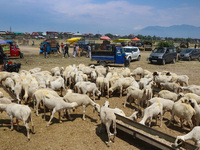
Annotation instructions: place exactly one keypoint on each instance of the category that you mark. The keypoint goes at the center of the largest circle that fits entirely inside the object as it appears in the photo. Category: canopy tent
(72, 40)
(121, 40)
(104, 38)
(135, 39)
(2, 42)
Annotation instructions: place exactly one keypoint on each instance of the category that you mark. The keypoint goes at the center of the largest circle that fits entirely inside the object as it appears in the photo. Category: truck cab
(105, 54)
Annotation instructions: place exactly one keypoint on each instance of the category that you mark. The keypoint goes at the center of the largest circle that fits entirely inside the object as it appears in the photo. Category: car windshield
(186, 50)
(158, 50)
(129, 50)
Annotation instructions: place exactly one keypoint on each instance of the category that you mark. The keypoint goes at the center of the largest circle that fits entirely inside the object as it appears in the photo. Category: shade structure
(72, 40)
(121, 40)
(2, 42)
(104, 38)
(135, 39)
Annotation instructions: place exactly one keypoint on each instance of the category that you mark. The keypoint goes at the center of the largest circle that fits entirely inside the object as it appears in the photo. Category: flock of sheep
(153, 94)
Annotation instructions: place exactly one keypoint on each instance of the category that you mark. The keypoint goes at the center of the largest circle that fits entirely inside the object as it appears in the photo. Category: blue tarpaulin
(9, 41)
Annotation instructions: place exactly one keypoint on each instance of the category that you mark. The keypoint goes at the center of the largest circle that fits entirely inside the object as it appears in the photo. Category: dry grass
(79, 134)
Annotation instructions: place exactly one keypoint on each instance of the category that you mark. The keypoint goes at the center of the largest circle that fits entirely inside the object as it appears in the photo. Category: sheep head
(179, 141)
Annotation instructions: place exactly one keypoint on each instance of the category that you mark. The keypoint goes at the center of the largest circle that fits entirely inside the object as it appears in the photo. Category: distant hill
(175, 31)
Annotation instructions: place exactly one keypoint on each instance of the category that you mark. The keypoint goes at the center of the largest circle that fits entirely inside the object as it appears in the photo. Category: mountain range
(175, 31)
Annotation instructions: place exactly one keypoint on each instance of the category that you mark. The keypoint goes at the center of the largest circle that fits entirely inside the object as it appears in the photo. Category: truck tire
(138, 59)
(102, 63)
(21, 55)
(127, 63)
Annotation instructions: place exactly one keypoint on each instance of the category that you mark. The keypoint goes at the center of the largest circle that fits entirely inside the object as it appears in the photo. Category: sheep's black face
(179, 142)
(192, 104)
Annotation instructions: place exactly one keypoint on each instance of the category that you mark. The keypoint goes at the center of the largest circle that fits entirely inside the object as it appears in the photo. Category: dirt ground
(79, 134)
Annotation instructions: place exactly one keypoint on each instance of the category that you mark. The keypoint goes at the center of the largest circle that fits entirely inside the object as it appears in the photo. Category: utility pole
(10, 28)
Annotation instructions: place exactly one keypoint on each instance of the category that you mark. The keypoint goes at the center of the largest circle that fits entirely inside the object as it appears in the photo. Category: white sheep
(56, 104)
(4, 75)
(192, 89)
(35, 70)
(168, 95)
(18, 90)
(153, 111)
(121, 84)
(174, 87)
(138, 71)
(108, 118)
(38, 95)
(144, 82)
(189, 96)
(81, 100)
(182, 79)
(58, 84)
(196, 107)
(136, 94)
(89, 87)
(183, 111)
(93, 76)
(9, 83)
(167, 104)
(20, 112)
(192, 135)
(5, 100)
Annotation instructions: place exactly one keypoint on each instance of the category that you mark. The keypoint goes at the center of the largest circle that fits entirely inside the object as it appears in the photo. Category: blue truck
(106, 54)
(50, 45)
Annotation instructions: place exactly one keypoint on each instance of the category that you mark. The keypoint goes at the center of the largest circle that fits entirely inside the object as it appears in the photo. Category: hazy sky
(121, 17)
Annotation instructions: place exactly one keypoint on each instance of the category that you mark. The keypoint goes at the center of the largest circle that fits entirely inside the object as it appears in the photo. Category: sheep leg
(33, 127)
(44, 112)
(11, 122)
(172, 118)
(68, 111)
(17, 124)
(115, 130)
(108, 132)
(150, 120)
(27, 129)
(126, 100)
(94, 96)
(37, 104)
(121, 89)
(59, 117)
(53, 112)
(84, 112)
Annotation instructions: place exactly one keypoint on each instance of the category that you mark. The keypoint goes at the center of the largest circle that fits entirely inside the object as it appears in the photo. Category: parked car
(163, 55)
(132, 53)
(189, 54)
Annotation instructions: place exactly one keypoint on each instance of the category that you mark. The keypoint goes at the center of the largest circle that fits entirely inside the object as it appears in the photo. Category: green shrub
(165, 44)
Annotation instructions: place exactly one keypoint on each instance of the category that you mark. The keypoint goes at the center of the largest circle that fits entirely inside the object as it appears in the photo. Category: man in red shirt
(62, 47)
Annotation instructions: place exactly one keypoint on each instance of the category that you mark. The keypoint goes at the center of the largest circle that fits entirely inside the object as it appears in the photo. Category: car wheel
(199, 58)
(138, 59)
(174, 61)
(127, 63)
(189, 59)
(102, 63)
(163, 62)
(129, 59)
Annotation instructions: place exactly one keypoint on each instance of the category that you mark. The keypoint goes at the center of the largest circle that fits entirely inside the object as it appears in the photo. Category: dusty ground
(79, 134)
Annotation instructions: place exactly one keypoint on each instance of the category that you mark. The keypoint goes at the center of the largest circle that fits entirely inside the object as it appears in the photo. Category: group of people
(77, 50)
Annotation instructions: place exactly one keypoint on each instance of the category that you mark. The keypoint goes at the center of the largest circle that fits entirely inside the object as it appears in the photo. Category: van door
(119, 56)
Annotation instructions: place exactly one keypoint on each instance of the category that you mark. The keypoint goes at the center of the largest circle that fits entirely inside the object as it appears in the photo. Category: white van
(133, 53)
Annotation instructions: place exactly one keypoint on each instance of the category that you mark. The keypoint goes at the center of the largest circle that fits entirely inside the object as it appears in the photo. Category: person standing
(74, 50)
(58, 48)
(62, 47)
(66, 51)
(79, 51)
(77, 47)
(45, 50)
(89, 51)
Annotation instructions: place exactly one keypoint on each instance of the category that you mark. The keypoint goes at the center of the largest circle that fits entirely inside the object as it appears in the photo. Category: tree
(165, 44)
(109, 35)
